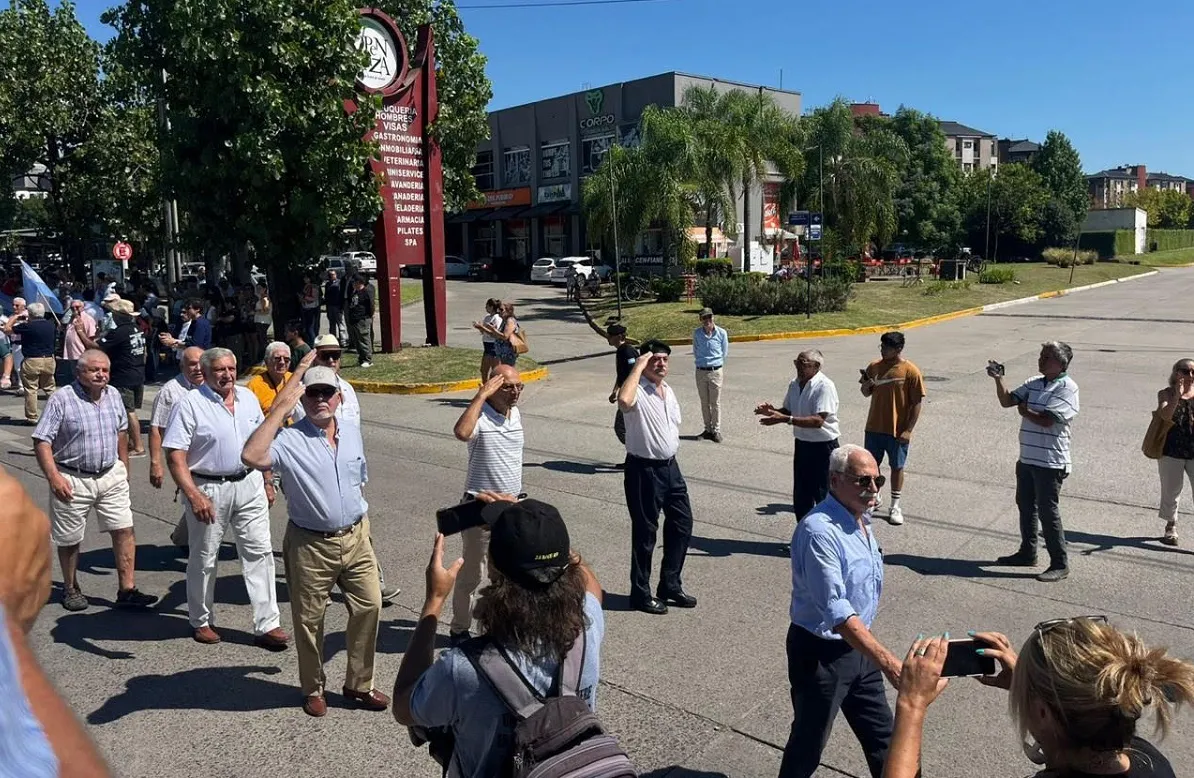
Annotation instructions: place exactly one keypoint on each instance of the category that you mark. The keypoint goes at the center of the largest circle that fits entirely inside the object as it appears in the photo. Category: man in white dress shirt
(190, 376)
(653, 481)
(203, 442)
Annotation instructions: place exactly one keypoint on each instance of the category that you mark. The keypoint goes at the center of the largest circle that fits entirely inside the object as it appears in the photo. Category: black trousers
(1038, 490)
(652, 485)
(810, 474)
(619, 425)
(828, 675)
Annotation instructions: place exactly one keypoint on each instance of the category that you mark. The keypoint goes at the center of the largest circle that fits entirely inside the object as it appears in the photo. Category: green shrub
(1108, 243)
(1168, 240)
(1065, 257)
(941, 287)
(667, 290)
(718, 266)
(1125, 243)
(997, 275)
(752, 296)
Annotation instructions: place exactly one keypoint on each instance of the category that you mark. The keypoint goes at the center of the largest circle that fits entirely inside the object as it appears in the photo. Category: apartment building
(1022, 151)
(973, 149)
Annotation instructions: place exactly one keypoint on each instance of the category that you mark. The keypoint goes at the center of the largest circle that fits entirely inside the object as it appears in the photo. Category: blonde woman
(1177, 457)
(508, 328)
(492, 321)
(1077, 689)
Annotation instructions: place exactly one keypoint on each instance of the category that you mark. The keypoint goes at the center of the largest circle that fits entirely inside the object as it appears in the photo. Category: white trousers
(471, 575)
(1174, 473)
(242, 506)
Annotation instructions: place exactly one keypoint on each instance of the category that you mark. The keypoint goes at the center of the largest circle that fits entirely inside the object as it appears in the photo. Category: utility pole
(613, 201)
(169, 207)
(987, 248)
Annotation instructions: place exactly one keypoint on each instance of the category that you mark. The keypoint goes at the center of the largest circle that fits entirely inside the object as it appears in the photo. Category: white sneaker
(896, 516)
(365, 364)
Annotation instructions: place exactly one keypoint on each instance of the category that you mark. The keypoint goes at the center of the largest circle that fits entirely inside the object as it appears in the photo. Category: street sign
(122, 251)
(798, 219)
(815, 218)
(814, 231)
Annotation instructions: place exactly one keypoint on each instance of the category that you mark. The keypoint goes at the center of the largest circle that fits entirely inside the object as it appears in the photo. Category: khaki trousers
(475, 570)
(36, 373)
(709, 390)
(1174, 473)
(314, 564)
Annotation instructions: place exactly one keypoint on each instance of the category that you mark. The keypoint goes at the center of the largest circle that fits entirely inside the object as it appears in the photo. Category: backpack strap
(567, 680)
(492, 664)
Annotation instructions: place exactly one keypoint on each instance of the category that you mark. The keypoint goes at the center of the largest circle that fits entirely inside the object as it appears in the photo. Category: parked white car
(583, 266)
(365, 260)
(541, 270)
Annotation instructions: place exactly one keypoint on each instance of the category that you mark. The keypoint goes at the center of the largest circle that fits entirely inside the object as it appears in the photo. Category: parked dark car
(482, 270)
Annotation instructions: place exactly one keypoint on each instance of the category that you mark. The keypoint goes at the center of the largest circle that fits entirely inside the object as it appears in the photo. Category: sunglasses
(331, 356)
(320, 392)
(866, 480)
(1046, 626)
(1185, 370)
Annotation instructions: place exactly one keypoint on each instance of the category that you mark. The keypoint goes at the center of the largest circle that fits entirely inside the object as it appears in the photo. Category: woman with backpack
(542, 625)
(508, 336)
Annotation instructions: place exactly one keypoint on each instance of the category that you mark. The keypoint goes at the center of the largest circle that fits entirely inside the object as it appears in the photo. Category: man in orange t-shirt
(265, 387)
(896, 388)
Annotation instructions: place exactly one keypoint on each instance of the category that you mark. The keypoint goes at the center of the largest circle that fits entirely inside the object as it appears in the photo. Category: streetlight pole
(808, 262)
(987, 247)
(613, 201)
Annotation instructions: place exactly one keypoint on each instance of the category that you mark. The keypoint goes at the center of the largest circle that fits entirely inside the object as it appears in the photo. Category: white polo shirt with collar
(817, 396)
(211, 435)
(653, 422)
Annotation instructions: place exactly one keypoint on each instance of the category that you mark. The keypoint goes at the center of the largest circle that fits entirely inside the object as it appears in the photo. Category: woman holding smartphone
(1177, 457)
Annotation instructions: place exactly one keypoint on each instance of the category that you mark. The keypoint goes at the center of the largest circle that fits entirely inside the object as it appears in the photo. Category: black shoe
(680, 599)
(785, 549)
(1053, 574)
(1019, 559)
(650, 605)
(620, 466)
(706, 435)
(715, 437)
(134, 598)
(456, 638)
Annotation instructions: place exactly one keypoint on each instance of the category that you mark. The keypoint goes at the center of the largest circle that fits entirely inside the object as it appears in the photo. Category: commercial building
(532, 169)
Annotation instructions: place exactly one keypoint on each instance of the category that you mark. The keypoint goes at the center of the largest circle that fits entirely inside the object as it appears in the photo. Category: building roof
(1115, 172)
(954, 129)
(1022, 147)
(1158, 176)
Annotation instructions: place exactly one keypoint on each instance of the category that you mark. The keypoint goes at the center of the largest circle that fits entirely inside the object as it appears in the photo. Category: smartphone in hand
(963, 660)
(863, 373)
(994, 369)
(457, 518)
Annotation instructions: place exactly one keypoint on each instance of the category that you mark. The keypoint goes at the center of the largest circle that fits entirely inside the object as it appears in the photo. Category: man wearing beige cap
(125, 347)
(322, 465)
(710, 347)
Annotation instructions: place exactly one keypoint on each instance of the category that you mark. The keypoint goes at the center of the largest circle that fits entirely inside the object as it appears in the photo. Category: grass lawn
(412, 290)
(873, 303)
(1162, 258)
(427, 365)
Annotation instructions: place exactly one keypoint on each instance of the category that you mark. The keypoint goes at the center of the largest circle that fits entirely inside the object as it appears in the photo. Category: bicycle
(976, 265)
(635, 288)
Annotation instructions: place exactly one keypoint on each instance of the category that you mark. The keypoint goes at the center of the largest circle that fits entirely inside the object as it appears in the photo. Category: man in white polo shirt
(1048, 405)
(653, 481)
(203, 449)
(810, 408)
(492, 427)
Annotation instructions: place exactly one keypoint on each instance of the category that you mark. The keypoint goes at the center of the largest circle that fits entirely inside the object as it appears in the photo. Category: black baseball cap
(528, 542)
(615, 329)
(654, 346)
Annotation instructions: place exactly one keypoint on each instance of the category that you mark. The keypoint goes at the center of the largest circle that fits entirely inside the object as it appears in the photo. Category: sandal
(1170, 536)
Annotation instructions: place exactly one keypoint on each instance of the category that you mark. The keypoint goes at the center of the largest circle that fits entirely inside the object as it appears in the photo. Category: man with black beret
(653, 481)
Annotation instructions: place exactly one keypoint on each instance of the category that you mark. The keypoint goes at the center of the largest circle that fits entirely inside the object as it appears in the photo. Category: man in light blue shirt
(322, 465)
(834, 662)
(710, 347)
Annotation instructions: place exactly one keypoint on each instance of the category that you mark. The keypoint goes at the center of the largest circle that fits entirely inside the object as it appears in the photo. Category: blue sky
(1114, 76)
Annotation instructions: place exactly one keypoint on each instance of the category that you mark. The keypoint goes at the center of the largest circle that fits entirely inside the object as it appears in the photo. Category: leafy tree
(1167, 209)
(927, 196)
(1060, 166)
(1059, 225)
(463, 88)
(261, 151)
(1017, 197)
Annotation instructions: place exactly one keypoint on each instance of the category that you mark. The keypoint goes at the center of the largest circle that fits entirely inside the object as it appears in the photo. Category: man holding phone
(834, 661)
(896, 389)
(492, 427)
(327, 537)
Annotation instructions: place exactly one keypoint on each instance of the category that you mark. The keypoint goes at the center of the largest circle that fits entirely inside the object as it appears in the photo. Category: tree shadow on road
(959, 568)
(725, 547)
(393, 637)
(207, 688)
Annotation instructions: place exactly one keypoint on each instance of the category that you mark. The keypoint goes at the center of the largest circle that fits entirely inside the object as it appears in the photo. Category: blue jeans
(879, 443)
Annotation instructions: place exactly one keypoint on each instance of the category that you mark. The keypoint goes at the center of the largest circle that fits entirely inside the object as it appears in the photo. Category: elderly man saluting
(203, 442)
(327, 538)
(81, 444)
(834, 662)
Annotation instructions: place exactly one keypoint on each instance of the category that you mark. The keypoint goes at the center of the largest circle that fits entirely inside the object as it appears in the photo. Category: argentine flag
(34, 290)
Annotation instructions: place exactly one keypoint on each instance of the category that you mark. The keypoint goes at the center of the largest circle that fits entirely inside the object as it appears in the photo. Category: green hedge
(747, 296)
(718, 266)
(1109, 243)
(667, 290)
(1168, 240)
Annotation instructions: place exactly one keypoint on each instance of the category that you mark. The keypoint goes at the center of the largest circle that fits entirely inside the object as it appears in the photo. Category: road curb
(881, 328)
(383, 387)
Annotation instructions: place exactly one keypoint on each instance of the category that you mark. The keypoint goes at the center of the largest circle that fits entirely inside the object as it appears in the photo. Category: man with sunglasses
(653, 482)
(1048, 405)
(492, 427)
(322, 465)
(834, 661)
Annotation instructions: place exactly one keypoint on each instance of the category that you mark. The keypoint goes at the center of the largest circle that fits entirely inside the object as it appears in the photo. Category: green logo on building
(595, 99)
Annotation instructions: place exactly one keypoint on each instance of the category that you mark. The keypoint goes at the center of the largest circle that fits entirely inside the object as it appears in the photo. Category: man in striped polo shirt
(492, 427)
(1048, 404)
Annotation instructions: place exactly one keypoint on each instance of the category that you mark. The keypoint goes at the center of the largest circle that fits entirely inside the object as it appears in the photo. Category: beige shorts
(108, 494)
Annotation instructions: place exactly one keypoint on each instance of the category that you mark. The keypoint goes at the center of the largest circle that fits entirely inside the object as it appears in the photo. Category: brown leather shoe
(315, 705)
(370, 700)
(274, 640)
(207, 636)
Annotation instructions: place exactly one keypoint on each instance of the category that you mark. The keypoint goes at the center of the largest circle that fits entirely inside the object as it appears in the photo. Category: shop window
(484, 240)
(516, 166)
(518, 240)
(555, 236)
(593, 151)
(557, 159)
(483, 171)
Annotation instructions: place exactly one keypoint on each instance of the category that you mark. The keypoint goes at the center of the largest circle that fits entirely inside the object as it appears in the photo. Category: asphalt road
(697, 693)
